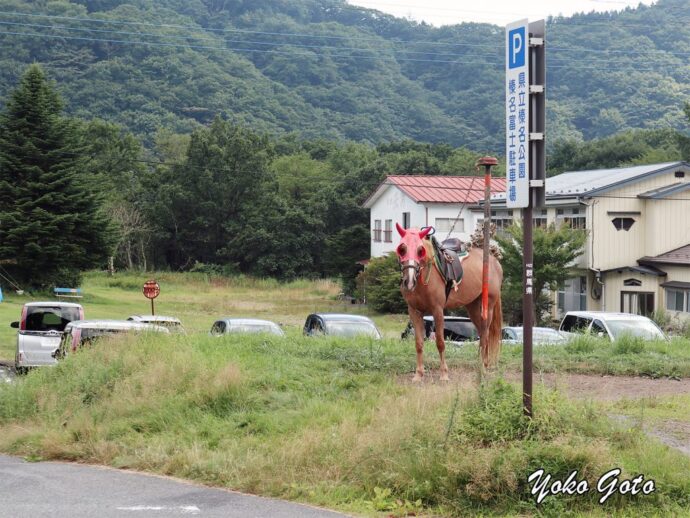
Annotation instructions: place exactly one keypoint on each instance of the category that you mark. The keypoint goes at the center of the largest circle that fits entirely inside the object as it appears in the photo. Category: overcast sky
(498, 12)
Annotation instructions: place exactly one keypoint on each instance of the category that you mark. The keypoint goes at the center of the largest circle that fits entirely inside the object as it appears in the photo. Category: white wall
(393, 202)
(391, 205)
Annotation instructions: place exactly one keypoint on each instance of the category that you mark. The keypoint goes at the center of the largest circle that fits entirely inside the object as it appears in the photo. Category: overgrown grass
(328, 422)
(198, 299)
(587, 354)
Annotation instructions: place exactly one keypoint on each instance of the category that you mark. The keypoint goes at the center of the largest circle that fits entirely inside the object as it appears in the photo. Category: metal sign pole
(537, 175)
(525, 159)
(527, 310)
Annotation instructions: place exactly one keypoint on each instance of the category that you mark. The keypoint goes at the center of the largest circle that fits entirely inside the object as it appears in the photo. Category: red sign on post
(151, 290)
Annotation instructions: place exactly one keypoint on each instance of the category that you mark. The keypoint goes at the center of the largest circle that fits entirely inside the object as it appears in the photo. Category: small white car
(39, 331)
(172, 323)
(245, 325)
(540, 335)
(83, 332)
(610, 325)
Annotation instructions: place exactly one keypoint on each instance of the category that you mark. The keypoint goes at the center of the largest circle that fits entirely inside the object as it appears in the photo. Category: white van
(39, 331)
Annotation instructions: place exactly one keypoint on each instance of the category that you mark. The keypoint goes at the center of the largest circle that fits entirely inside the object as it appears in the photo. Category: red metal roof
(445, 189)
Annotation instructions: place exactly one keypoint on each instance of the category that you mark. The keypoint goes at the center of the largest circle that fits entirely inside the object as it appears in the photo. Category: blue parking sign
(517, 48)
(517, 114)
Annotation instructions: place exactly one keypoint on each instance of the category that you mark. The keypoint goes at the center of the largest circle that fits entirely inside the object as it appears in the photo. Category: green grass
(587, 354)
(198, 299)
(333, 422)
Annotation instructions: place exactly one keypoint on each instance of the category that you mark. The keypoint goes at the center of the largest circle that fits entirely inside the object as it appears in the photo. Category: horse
(423, 287)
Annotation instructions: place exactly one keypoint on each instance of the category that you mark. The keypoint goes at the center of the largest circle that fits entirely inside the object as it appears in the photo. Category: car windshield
(45, 318)
(254, 328)
(642, 328)
(542, 335)
(347, 328)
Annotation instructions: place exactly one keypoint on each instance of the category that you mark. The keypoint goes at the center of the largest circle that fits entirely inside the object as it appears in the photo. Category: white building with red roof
(419, 201)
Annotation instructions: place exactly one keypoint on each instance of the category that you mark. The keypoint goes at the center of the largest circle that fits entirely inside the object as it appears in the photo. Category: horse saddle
(450, 254)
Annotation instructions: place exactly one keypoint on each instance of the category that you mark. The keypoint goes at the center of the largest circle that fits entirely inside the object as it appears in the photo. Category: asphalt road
(56, 490)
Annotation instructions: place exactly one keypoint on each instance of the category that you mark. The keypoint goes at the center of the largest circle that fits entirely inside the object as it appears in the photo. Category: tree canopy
(328, 69)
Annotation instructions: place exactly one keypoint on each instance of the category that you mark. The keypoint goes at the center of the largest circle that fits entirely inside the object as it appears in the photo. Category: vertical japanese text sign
(517, 114)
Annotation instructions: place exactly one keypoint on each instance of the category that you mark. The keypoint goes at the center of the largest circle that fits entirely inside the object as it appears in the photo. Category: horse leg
(419, 335)
(440, 342)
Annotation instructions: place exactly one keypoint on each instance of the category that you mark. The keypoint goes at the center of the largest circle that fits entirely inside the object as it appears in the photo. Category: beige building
(637, 257)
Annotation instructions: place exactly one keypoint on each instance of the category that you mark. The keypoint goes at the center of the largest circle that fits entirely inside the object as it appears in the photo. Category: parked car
(337, 324)
(245, 325)
(610, 325)
(540, 335)
(455, 329)
(83, 332)
(39, 330)
(172, 323)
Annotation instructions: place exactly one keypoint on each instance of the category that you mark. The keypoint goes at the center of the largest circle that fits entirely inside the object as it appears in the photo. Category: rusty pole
(488, 162)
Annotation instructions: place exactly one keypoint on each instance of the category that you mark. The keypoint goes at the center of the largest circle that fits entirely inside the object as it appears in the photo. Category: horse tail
(494, 342)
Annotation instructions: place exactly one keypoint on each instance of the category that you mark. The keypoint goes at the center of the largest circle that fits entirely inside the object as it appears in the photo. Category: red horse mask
(411, 247)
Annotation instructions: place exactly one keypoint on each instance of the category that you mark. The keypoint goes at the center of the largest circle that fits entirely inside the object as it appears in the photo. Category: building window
(573, 295)
(388, 233)
(377, 230)
(632, 282)
(639, 303)
(572, 218)
(677, 300)
(446, 224)
(539, 219)
(623, 223)
(502, 220)
(679, 174)
(406, 220)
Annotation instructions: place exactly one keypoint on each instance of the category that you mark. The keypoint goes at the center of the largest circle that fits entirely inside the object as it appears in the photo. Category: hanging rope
(462, 207)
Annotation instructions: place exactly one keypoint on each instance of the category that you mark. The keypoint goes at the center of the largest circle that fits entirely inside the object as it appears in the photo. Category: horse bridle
(411, 263)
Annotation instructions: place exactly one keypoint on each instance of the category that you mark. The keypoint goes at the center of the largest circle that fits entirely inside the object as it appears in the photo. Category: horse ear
(400, 230)
(423, 233)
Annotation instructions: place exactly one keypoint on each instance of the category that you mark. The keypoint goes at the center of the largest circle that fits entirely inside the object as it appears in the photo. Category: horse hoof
(445, 378)
(417, 378)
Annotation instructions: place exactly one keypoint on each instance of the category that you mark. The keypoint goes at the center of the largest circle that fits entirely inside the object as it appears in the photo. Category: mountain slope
(325, 69)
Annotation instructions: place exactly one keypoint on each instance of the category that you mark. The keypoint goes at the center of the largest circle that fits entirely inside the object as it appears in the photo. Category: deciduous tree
(555, 251)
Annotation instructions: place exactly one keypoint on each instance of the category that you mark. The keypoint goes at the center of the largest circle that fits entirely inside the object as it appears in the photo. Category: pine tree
(51, 226)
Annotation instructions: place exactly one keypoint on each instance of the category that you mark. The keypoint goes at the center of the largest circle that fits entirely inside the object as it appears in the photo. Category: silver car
(83, 332)
(39, 331)
(610, 325)
(540, 335)
(245, 325)
(172, 323)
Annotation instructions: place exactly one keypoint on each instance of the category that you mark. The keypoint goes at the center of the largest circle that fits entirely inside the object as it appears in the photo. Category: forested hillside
(325, 69)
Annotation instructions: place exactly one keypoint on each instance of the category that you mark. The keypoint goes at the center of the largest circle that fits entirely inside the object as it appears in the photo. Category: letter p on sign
(517, 48)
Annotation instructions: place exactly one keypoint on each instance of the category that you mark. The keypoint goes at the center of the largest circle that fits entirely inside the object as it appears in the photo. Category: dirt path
(673, 433)
(610, 388)
(580, 386)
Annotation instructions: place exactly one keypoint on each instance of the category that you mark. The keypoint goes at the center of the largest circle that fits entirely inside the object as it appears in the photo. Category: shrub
(379, 284)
